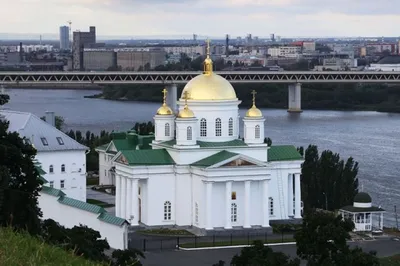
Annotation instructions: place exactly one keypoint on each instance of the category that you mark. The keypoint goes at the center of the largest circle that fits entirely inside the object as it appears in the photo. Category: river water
(371, 138)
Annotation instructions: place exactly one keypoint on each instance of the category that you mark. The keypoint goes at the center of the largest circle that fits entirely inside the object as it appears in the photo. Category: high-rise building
(64, 38)
(82, 40)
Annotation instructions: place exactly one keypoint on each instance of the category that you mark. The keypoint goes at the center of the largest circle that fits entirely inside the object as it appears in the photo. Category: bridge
(292, 78)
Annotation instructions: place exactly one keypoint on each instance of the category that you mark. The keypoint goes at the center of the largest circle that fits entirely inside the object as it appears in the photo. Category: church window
(203, 127)
(167, 130)
(196, 213)
(233, 196)
(167, 211)
(63, 168)
(257, 132)
(189, 133)
(51, 169)
(233, 212)
(218, 130)
(271, 206)
(230, 131)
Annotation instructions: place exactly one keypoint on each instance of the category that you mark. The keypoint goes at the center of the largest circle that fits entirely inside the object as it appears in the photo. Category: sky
(207, 18)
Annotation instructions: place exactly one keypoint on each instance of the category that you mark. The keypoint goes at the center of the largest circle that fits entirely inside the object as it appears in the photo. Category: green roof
(124, 144)
(214, 159)
(362, 197)
(111, 219)
(204, 144)
(128, 141)
(80, 205)
(148, 157)
(52, 191)
(283, 153)
(351, 208)
(103, 147)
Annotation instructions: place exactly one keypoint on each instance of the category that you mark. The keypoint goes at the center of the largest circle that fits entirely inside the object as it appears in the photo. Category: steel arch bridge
(288, 77)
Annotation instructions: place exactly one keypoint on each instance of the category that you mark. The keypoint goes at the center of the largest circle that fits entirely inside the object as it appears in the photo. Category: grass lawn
(92, 181)
(99, 203)
(391, 261)
(233, 243)
(165, 232)
(23, 249)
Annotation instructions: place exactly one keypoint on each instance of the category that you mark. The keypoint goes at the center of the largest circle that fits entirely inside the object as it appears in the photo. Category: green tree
(19, 181)
(260, 255)
(322, 241)
(59, 121)
(128, 257)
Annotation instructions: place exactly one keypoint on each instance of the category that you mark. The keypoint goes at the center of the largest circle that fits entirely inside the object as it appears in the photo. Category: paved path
(93, 194)
(209, 257)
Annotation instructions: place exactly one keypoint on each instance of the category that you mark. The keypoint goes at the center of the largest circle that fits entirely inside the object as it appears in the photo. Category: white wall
(70, 217)
(75, 171)
(105, 164)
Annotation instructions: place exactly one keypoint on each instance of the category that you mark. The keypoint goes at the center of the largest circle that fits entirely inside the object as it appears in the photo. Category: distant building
(64, 38)
(82, 40)
(285, 51)
(189, 50)
(337, 64)
(134, 59)
(388, 63)
(99, 59)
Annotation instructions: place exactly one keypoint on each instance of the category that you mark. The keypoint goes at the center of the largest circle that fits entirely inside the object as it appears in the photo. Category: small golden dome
(254, 111)
(164, 110)
(186, 113)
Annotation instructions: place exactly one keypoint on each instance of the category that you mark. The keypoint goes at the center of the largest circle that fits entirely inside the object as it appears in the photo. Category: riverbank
(56, 86)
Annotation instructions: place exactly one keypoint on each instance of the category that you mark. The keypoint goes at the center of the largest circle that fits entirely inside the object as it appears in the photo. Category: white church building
(198, 172)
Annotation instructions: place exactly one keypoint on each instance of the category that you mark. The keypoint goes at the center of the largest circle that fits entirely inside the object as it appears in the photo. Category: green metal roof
(52, 191)
(214, 159)
(204, 144)
(124, 144)
(111, 219)
(283, 153)
(362, 197)
(148, 157)
(80, 205)
(128, 141)
(351, 208)
(103, 147)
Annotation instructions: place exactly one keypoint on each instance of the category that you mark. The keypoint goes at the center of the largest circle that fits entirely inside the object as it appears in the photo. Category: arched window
(203, 127)
(51, 169)
(230, 130)
(257, 132)
(167, 211)
(189, 133)
(196, 213)
(233, 212)
(271, 206)
(218, 130)
(63, 168)
(167, 130)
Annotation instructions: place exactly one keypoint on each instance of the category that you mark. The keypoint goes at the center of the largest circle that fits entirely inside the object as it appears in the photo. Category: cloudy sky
(205, 17)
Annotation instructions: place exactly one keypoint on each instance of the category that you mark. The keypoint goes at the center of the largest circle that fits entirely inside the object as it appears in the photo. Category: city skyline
(294, 18)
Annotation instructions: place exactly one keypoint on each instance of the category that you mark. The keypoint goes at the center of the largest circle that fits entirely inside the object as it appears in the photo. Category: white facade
(384, 67)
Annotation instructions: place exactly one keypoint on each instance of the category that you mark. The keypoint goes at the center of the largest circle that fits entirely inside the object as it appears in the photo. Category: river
(371, 138)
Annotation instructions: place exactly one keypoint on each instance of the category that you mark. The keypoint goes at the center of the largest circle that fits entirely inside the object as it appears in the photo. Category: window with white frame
(196, 213)
(233, 212)
(167, 211)
(257, 132)
(63, 168)
(271, 206)
(62, 183)
(51, 183)
(203, 127)
(230, 129)
(167, 130)
(218, 125)
(189, 133)
(51, 169)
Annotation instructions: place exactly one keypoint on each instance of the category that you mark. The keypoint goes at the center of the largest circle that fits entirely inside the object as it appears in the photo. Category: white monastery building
(196, 171)
(62, 158)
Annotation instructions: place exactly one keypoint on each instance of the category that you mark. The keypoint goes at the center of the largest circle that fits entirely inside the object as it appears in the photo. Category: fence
(159, 243)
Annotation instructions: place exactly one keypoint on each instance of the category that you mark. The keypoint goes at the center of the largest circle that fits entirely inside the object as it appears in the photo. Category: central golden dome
(209, 86)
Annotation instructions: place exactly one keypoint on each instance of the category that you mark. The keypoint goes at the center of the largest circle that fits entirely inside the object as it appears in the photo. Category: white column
(265, 203)
(228, 201)
(128, 212)
(297, 195)
(172, 97)
(118, 195)
(294, 92)
(209, 224)
(247, 184)
(135, 202)
(123, 197)
(290, 197)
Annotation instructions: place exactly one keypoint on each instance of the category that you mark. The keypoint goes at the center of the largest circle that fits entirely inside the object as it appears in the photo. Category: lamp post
(326, 200)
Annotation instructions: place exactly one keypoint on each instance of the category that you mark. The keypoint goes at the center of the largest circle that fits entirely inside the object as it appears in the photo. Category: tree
(322, 240)
(128, 257)
(59, 121)
(19, 181)
(260, 255)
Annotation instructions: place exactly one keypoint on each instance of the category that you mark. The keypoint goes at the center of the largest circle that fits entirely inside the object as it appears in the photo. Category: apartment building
(134, 59)
(82, 40)
(99, 59)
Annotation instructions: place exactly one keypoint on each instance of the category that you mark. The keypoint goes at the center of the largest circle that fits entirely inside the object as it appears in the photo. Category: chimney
(21, 53)
(51, 118)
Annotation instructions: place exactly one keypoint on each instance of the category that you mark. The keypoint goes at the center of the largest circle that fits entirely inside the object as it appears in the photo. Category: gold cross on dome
(164, 91)
(208, 47)
(186, 96)
(254, 96)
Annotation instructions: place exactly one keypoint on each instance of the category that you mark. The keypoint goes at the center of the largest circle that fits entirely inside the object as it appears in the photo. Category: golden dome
(209, 86)
(164, 109)
(254, 111)
(186, 113)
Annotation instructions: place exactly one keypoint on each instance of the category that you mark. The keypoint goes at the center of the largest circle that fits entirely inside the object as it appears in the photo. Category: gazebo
(365, 216)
